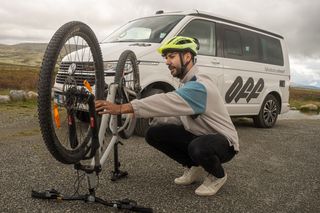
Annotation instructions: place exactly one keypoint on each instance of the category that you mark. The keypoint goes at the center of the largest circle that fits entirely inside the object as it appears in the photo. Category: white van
(249, 65)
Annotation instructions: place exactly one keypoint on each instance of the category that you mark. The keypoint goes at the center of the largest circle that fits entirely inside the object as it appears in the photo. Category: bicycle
(72, 76)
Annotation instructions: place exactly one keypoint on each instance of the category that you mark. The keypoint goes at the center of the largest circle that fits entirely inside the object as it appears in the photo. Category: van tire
(142, 124)
(268, 114)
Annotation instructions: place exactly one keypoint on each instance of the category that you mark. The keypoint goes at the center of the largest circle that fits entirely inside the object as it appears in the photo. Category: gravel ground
(277, 170)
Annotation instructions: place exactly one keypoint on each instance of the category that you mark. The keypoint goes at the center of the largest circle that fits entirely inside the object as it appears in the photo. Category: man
(194, 127)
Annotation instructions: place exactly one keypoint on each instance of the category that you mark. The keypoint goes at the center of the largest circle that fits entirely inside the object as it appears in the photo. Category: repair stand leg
(92, 185)
(117, 173)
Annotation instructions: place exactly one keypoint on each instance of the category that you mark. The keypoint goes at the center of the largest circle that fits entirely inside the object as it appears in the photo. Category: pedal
(47, 194)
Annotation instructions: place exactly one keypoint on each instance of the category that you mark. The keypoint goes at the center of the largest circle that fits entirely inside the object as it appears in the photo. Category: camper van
(248, 64)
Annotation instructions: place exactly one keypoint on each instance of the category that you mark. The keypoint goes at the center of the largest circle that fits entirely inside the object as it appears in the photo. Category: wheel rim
(128, 85)
(74, 65)
(270, 112)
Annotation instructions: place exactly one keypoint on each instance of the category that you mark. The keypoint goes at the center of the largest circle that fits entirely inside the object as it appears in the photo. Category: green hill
(27, 54)
(19, 65)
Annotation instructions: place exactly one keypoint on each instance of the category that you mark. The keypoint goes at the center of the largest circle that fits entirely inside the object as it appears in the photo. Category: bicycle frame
(110, 120)
(103, 151)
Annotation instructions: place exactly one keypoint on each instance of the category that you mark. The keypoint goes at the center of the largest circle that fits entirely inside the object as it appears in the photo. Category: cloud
(305, 71)
(41, 18)
(297, 21)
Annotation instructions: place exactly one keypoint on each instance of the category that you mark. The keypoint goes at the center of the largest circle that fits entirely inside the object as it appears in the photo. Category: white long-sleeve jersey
(198, 105)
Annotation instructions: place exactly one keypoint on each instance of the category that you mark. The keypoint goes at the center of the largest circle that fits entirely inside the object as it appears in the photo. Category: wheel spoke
(270, 112)
(70, 46)
(83, 50)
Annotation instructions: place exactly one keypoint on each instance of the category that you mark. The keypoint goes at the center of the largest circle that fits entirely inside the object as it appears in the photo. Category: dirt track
(277, 170)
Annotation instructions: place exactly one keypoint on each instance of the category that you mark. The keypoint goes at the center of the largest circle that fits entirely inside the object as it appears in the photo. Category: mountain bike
(72, 77)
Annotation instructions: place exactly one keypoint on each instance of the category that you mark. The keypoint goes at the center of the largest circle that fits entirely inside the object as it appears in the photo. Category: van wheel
(268, 114)
(143, 124)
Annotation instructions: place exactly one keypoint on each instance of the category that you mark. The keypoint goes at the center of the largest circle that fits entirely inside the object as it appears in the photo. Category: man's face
(173, 62)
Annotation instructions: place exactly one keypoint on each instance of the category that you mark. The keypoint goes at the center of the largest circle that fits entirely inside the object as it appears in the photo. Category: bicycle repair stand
(92, 178)
(92, 173)
(117, 173)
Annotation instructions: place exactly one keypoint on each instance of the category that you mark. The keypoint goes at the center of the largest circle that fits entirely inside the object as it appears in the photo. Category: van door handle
(215, 62)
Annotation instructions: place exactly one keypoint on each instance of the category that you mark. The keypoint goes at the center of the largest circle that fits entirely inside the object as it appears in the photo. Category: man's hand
(106, 107)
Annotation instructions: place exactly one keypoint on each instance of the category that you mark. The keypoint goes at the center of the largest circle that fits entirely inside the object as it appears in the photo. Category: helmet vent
(183, 42)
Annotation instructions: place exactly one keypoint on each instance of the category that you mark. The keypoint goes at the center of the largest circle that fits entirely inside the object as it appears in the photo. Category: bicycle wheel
(72, 56)
(128, 81)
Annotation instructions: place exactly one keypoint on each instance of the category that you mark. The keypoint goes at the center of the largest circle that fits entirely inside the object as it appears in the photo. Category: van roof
(219, 18)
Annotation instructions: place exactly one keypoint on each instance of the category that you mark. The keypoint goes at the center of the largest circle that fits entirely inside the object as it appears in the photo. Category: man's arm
(188, 100)
(106, 107)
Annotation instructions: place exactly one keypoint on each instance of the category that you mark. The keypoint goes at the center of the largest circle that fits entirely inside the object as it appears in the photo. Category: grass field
(300, 96)
(18, 77)
(26, 54)
(20, 64)
(20, 107)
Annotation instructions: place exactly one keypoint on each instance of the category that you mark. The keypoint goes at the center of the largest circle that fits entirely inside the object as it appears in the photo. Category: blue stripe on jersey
(195, 94)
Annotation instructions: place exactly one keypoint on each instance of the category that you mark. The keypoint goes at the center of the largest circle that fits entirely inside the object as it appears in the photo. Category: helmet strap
(183, 69)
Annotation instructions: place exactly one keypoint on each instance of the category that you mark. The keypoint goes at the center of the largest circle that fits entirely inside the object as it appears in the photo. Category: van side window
(232, 44)
(204, 31)
(271, 51)
(247, 45)
(250, 45)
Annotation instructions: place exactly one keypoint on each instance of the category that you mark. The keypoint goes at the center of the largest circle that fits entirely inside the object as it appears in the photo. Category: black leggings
(208, 151)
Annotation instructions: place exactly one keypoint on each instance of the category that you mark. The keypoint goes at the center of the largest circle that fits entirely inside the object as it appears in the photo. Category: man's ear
(187, 56)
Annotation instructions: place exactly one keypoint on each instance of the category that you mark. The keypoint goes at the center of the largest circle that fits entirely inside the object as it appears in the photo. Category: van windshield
(150, 29)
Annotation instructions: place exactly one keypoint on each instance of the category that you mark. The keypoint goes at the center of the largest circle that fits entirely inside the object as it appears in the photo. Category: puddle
(296, 114)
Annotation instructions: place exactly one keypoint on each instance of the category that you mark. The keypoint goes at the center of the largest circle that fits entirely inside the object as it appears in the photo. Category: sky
(37, 20)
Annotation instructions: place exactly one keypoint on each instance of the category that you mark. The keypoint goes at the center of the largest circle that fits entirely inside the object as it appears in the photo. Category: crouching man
(191, 124)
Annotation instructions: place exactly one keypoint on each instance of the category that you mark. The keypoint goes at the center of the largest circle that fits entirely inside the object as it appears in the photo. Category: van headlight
(151, 63)
(110, 65)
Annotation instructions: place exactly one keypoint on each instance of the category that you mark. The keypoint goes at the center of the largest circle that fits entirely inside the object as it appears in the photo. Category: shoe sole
(184, 184)
(211, 193)
(190, 183)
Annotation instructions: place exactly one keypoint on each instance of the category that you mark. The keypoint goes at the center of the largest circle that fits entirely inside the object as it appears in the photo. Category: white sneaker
(190, 175)
(211, 185)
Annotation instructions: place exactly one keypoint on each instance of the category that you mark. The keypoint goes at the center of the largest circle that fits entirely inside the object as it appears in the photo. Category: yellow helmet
(180, 44)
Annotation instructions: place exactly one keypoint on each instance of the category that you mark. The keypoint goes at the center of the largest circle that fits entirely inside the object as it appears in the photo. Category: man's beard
(177, 73)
